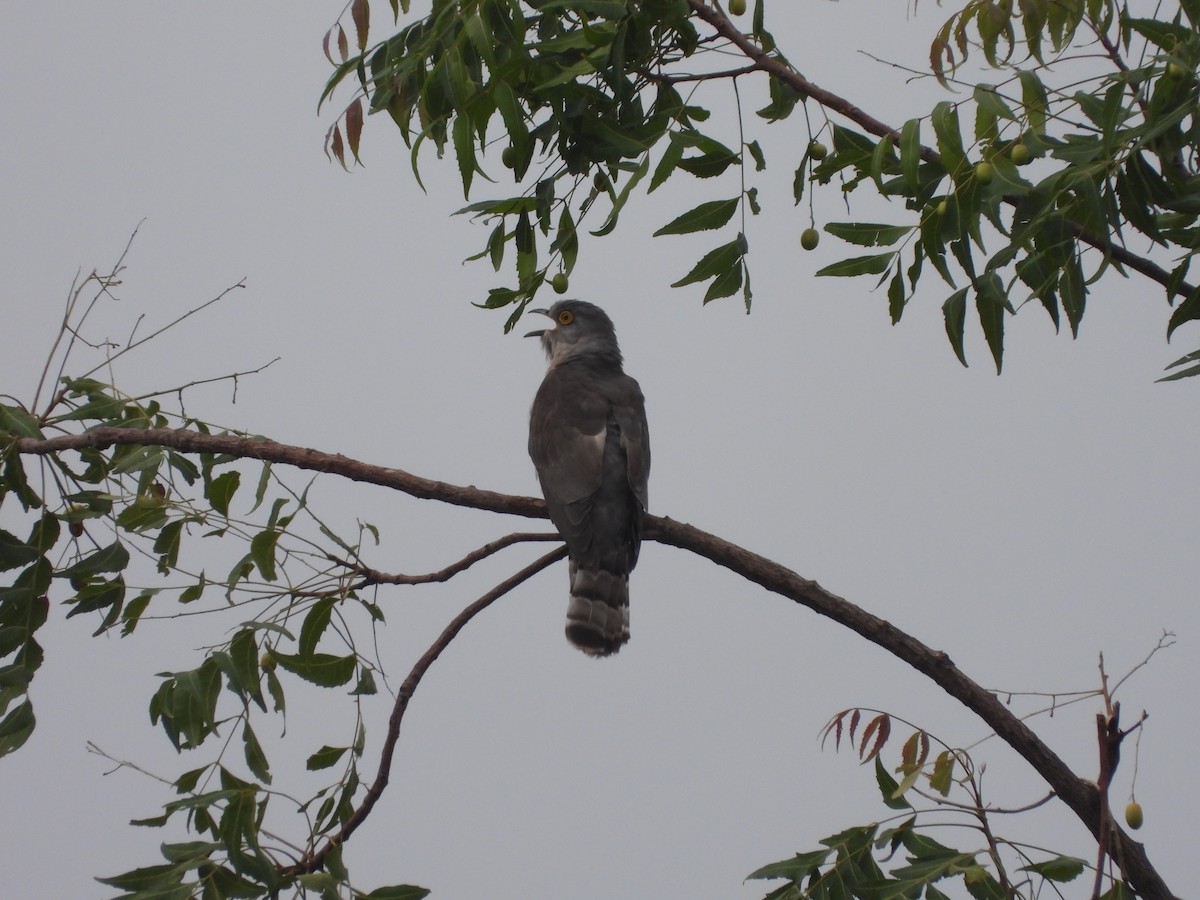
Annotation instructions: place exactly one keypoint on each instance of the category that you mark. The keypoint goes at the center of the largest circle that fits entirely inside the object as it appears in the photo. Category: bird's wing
(629, 408)
(568, 426)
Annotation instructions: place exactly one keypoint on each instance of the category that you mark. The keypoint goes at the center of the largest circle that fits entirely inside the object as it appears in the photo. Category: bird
(590, 445)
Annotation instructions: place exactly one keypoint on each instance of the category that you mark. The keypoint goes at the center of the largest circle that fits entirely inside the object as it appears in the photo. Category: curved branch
(374, 576)
(1080, 795)
(315, 859)
(779, 68)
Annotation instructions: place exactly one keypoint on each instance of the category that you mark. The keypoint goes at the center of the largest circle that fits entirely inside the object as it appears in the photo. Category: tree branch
(1081, 796)
(779, 68)
(315, 859)
(374, 576)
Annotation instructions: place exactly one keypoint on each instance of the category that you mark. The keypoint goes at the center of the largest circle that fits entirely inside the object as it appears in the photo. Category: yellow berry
(1020, 154)
(737, 7)
(1133, 815)
(984, 173)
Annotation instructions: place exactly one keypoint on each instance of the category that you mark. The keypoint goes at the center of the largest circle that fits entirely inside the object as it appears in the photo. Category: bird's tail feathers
(598, 612)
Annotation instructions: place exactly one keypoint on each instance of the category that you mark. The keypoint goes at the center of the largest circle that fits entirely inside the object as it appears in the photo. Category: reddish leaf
(325, 47)
(854, 720)
(343, 43)
(361, 14)
(834, 727)
(335, 145)
(915, 752)
(878, 728)
(354, 124)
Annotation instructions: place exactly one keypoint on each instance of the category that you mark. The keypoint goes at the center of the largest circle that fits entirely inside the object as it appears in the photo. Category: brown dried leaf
(360, 12)
(354, 124)
(908, 755)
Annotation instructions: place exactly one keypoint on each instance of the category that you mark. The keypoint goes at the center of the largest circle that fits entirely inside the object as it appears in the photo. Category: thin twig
(374, 576)
(314, 860)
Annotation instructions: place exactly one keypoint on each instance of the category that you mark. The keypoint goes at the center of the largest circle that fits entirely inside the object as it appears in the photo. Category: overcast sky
(1022, 523)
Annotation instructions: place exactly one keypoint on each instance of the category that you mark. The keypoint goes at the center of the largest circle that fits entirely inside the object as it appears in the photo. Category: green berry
(809, 238)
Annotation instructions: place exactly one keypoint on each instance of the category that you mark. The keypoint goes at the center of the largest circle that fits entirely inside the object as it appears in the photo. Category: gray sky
(1022, 523)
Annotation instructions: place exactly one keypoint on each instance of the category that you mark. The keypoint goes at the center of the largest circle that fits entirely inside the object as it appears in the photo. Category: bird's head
(580, 329)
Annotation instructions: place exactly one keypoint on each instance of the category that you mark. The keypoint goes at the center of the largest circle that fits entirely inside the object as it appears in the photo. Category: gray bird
(591, 448)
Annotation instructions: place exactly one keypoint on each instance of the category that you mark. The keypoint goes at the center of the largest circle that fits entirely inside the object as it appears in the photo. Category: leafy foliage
(851, 863)
(110, 533)
(1030, 190)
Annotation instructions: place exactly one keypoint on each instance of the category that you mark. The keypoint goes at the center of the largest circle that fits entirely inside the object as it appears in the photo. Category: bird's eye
(566, 317)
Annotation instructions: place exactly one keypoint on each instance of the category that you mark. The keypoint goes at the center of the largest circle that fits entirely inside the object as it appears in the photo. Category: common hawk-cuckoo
(591, 448)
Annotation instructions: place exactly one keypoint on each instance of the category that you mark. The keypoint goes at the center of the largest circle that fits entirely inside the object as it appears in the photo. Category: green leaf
(796, 869)
(256, 760)
(14, 552)
(868, 234)
(150, 879)
(396, 892)
(943, 772)
(220, 490)
(18, 422)
(668, 163)
(888, 787)
(464, 151)
(949, 140)
(366, 684)
(705, 217)
(325, 758)
(896, 297)
(992, 306)
(1034, 101)
(910, 153)
(954, 310)
(16, 727)
(874, 264)
(713, 263)
(1061, 868)
(262, 551)
(1187, 311)
(322, 669)
(1189, 372)
(315, 624)
(113, 558)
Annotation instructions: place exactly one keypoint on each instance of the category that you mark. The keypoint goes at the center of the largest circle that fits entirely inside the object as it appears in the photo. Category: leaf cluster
(1031, 190)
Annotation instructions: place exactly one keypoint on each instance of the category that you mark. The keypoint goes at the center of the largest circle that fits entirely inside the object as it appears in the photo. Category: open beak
(540, 312)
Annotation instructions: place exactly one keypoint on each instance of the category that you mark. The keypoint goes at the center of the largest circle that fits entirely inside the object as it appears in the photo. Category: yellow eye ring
(566, 317)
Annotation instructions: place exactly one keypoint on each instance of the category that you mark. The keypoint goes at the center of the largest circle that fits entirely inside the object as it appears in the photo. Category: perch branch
(1081, 796)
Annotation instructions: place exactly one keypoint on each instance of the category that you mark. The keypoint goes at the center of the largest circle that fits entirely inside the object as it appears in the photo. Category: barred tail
(598, 611)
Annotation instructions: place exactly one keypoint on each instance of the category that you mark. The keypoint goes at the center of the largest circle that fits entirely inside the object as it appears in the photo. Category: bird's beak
(540, 312)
